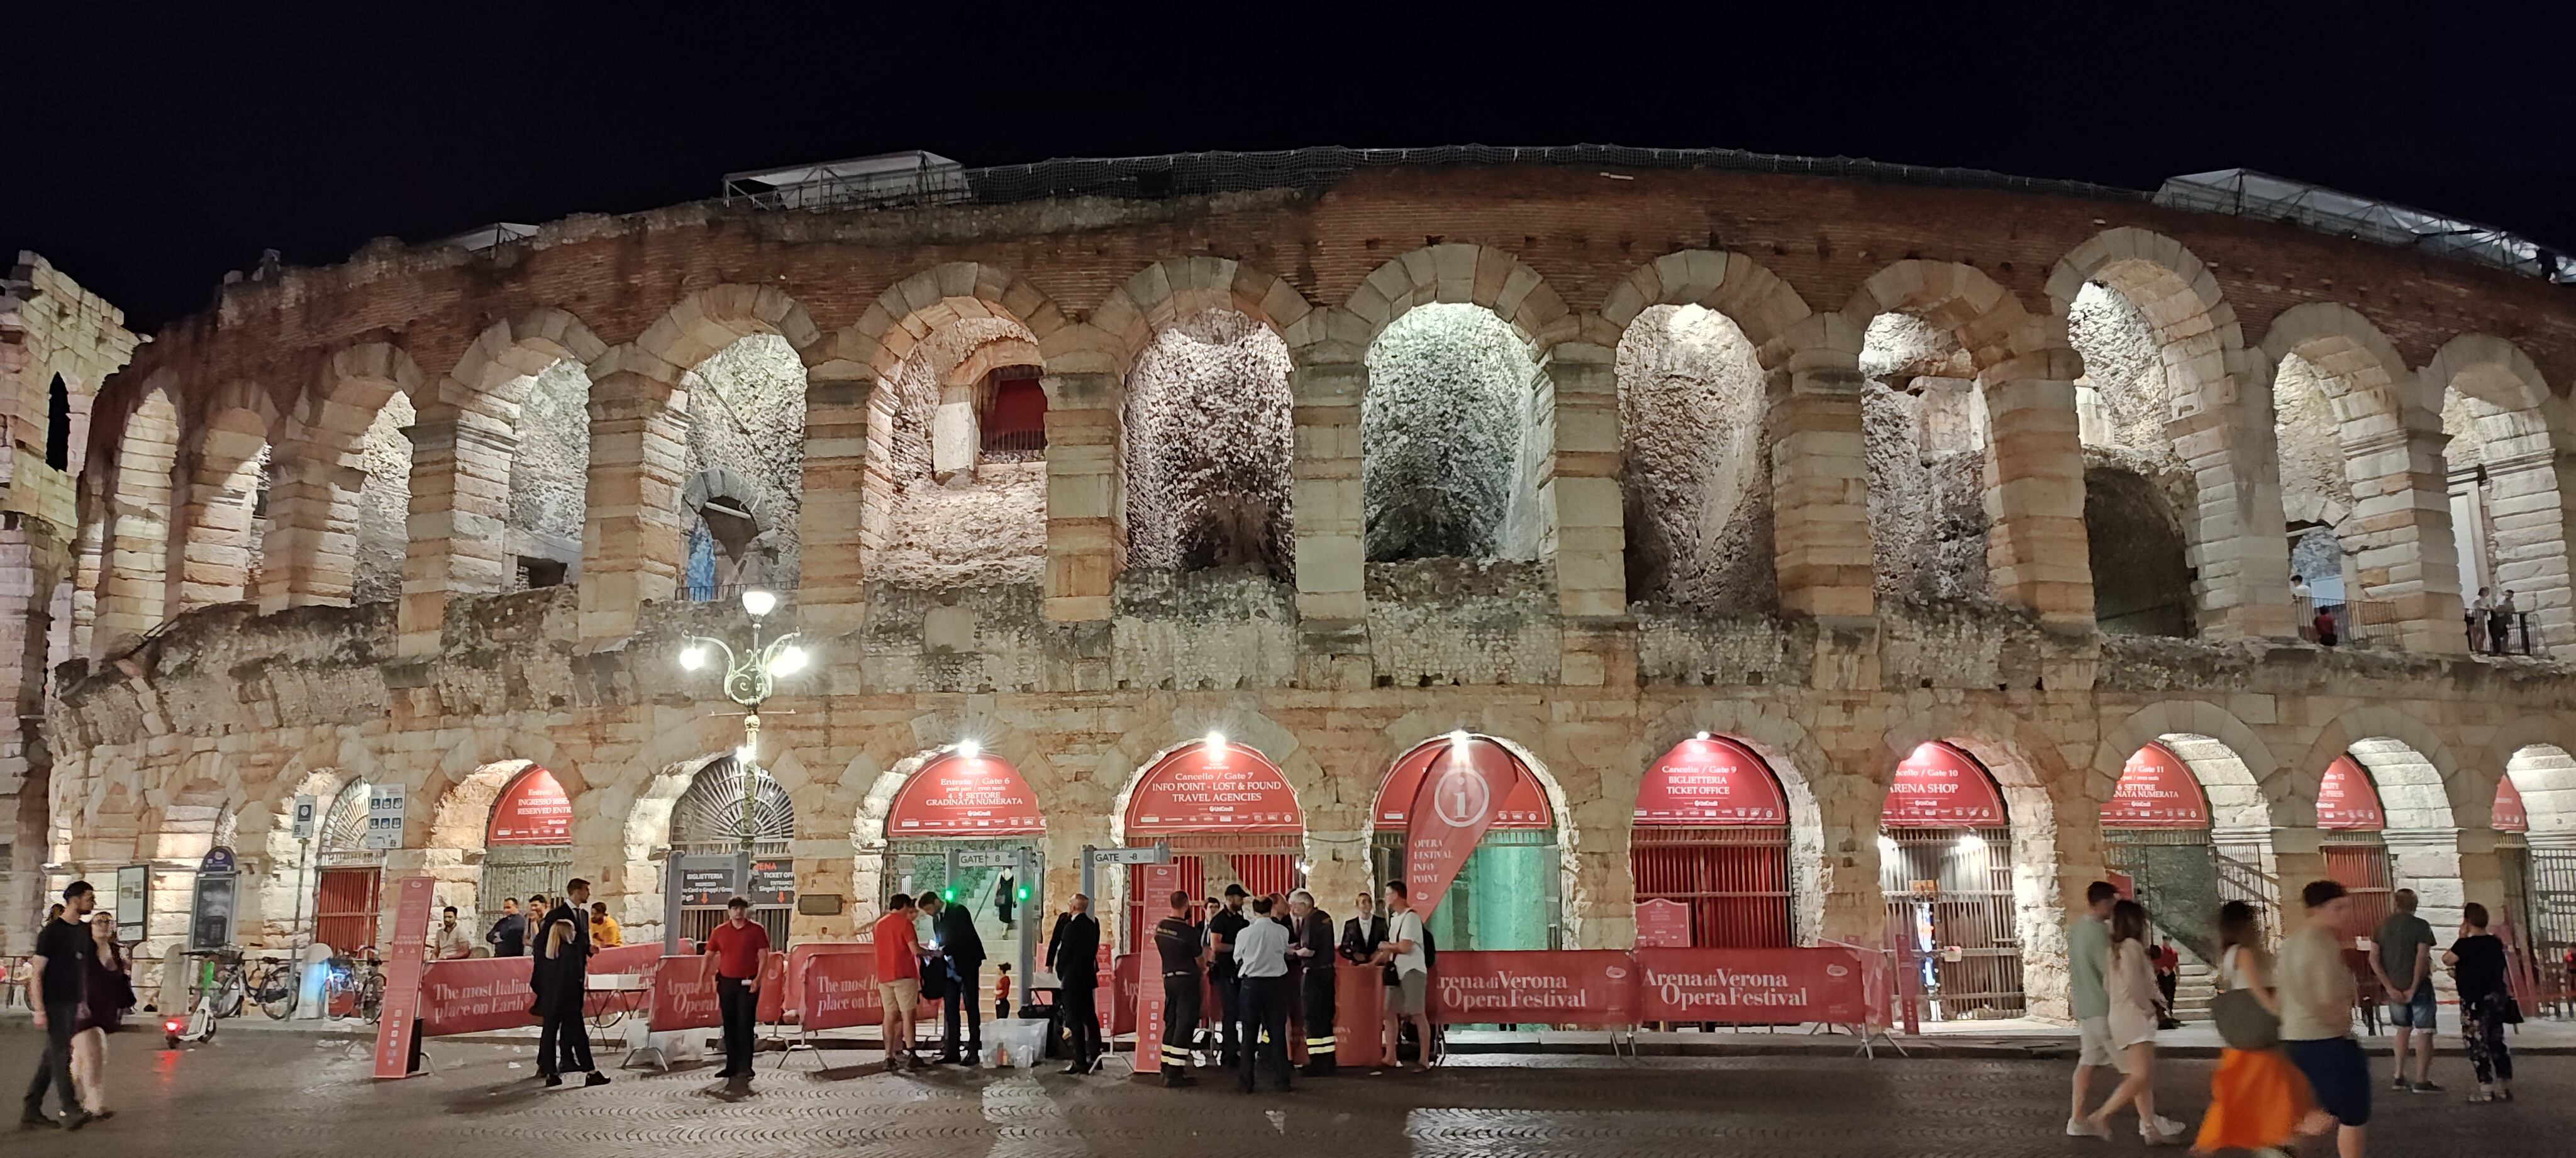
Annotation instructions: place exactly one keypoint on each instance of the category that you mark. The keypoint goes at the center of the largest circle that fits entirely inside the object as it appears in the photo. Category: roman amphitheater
(1845, 552)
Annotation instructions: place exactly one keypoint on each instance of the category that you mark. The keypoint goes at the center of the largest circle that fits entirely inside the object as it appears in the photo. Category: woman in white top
(2134, 1001)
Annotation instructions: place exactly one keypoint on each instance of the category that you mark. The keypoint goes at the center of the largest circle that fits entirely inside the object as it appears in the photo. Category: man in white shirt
(1261, 964)
(449, 941)
(1408, 978)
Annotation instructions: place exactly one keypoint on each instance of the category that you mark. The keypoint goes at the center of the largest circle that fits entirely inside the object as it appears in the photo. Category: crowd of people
(2291, 1067)
(80, 992)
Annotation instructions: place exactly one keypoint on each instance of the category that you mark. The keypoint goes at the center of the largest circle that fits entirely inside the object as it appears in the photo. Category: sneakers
(2165, 1125)
(2088, 1128)
(596, 1078)
(2163, 1132)
(2399, 1083)
(2427, 1088)
(39, 1122)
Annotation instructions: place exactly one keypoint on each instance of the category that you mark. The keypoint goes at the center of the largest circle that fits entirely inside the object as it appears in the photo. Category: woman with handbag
(2134, 1003)
(106, 994)
(2258, 1101)
(2486, 1005)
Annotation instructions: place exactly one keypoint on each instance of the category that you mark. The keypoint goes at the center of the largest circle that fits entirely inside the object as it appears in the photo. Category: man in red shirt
(898, 948)
(738, 944)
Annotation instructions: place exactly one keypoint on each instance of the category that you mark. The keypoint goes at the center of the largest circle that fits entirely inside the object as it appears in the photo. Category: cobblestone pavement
(280, 1094)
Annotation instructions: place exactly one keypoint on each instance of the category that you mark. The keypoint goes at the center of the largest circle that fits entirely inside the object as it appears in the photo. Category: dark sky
(147, 153)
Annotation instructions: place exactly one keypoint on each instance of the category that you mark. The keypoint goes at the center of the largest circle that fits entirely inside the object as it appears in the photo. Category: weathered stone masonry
(1081, 677)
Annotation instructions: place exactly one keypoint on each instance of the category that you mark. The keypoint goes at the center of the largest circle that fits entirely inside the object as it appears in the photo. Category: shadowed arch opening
(2134, 542)
(134, 591)
(1450, 447)
(1695, 474)
(1208, 434)
(743, 476)
(940, 509)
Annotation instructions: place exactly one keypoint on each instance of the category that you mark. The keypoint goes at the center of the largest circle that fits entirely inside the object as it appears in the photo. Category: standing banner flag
(412, 897)
(1450, 813)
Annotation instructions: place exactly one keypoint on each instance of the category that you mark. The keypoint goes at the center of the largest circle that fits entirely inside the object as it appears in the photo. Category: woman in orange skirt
(2258, 1101)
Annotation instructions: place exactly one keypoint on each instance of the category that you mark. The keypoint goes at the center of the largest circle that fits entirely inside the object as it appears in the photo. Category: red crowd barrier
(836, 989)
(475, 994)
(1617, 987)
(1548, 986)
(684, 993)
(1751, 986)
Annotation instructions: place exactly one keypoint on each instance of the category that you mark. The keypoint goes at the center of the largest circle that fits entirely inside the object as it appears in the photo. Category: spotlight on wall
(969, 749)
(693, 658)
(1702, 737)
(1215, 739)
(759, 602)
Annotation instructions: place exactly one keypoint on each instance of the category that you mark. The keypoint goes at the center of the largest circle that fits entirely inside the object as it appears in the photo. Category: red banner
(412, 898)
(684, 993)
(532, 810)
(1198, 788)
(1938, 786)
(2509, 814)
(1149, 1027)
(1710, 783)
(475, 995)
(1663, 924)
(837, 990)
(2347, 801)
(769, 1006)
(957, 796)
(1460, 794)
(1547, 986)
(1525, 807)
(1751, 986)
(625, 959)
(2157, 790)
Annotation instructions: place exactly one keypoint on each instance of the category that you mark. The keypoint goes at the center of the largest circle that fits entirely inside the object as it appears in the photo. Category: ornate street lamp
(749, 678)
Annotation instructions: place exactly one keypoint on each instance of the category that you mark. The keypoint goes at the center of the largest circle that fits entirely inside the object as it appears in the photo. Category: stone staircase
(2194, 990)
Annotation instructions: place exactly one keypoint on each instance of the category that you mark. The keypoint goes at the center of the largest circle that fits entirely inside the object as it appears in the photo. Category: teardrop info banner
(1460, 794)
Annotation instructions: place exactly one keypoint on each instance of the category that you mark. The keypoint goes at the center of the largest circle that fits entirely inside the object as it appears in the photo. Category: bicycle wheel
(230, 992)
(275, 991)
(371, 997)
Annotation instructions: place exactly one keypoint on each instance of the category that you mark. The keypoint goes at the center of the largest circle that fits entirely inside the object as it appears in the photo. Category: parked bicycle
(272, 985)
(355, 987)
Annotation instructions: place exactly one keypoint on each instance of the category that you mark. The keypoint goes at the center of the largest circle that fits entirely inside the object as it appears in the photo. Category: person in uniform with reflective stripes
(1181, 944)
(1311, 951)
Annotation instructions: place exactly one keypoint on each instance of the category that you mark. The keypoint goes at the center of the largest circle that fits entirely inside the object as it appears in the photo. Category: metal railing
(2515, 638)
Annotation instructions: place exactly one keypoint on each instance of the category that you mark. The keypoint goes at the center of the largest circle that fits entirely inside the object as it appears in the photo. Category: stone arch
(2138, 553)
(2538, 753)
(1826, 807)
(2389, 425)
(1161, 295)
(2506, 434)
(2236, 770)
(909, 311)
(1747, 293)
(864, 796)
(340, 477)
(2216, 438)
(133, 590)
(1207, 426)
(2418, 777)
(2051, 858)
(215, 542)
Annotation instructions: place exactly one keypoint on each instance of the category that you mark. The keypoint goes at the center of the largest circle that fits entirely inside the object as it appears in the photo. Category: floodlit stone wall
(1207, 443)
(1507, 358)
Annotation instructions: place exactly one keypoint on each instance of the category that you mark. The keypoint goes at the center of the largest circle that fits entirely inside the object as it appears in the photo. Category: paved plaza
(271, 1094)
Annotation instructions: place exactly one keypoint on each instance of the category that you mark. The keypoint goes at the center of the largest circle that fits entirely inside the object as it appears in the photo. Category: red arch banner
(2509, 816)
(1200, 788)
(1525, 806)
(1939, 786)
(956, 795)
(1710, 783)
(2157, 790)
(533, 809)
(2347, 801)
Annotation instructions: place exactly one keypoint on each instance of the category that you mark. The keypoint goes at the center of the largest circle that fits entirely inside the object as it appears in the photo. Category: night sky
(148, 153)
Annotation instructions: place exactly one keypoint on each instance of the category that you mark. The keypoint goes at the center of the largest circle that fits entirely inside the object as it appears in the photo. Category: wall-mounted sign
(2157, 790)
(2509, 814)
(773, 882)
(307, 809)
(1224, 788)
(2346, 799)
(1524, 804)
(1714, 782)
(532, 810)
(704, 885)
(133, 901)
(384, 816)
(1938, 786)
(960, 796)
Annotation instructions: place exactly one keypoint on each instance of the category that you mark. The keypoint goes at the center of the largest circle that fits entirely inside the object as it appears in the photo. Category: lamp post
(749, 678)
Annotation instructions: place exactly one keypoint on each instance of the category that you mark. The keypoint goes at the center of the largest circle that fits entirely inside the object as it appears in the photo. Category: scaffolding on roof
(914, 177)
(2249, 193)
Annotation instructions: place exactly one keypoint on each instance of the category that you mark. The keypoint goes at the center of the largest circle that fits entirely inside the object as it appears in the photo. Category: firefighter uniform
(1315, 980)
(1179, 944)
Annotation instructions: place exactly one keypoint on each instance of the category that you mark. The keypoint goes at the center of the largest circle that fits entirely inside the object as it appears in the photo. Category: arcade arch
(1947, 854)
(1208, 433)
(1696, 469)
(1451, 447)
(1230, 817)
(743, 477)
(1710, 831)
(949, 505)
(727, 805)
(1510, 893)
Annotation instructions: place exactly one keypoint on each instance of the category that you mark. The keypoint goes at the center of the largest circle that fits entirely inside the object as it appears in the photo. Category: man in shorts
(898, 949)
(1408, 984)
(2316, 1014)
(2088, 958)
(2402, 956)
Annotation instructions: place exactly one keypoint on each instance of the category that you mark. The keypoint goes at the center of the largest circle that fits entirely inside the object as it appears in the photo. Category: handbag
(2242, 1021)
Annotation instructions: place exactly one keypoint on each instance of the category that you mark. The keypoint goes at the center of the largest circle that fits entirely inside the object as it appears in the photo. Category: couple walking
(79, 991)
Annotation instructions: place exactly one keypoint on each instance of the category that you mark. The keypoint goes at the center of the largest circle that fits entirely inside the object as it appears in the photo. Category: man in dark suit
(561, 975)
(1073, 955)
(953, 926)
(1361, 935)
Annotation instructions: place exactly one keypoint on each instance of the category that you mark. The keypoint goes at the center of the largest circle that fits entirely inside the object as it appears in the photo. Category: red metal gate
(1735, 880)
(1264, 863)
(344, 910)
(1949, 898)
(2360, 862)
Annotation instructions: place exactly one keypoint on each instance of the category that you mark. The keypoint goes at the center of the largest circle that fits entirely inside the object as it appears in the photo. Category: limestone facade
(216, 667)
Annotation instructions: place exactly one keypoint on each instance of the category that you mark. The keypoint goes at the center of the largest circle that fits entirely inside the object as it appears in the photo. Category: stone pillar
(460, 502)
(2239, 558)
(1085, 517)
(2527, 499)
(2402, 509)
(88, 554)
(310, 553)
(831, 595)
(1843, 869)
(1579, 493)
(2445, 873)
(1820, 486)
(1332, 586)
(210, 551)
(2035, 547)
(630, 537)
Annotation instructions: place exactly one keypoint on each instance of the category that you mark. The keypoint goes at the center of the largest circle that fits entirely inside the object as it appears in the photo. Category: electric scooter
(198, 1023)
